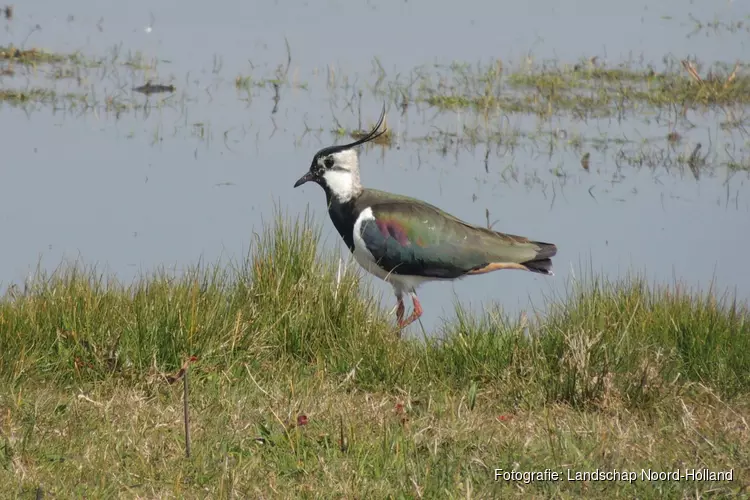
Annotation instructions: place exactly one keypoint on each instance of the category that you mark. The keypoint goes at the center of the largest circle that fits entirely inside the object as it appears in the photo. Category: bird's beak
(305, 178)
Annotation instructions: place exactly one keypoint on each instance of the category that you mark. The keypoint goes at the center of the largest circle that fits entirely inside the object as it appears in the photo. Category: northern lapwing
(407, 242)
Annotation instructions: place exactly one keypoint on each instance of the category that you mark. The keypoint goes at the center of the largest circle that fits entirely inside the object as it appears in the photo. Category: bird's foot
(414, 315)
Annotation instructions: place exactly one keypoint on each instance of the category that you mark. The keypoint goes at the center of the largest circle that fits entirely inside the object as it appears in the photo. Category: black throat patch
(343, 216)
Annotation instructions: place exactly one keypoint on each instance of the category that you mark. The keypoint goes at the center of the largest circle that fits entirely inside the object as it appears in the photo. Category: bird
(407, 242)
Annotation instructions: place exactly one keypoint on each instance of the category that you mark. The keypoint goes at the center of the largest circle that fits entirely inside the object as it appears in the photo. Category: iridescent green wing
(414, 238)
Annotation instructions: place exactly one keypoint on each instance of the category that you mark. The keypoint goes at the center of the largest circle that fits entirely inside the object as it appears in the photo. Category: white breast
(361, 253)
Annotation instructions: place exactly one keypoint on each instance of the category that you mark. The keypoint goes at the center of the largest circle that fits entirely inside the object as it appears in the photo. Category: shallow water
(189, 177)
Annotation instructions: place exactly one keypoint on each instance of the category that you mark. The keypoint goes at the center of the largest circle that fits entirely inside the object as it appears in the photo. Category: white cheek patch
(340, 183)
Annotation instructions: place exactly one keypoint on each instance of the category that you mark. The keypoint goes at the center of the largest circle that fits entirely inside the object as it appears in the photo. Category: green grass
(617, 376)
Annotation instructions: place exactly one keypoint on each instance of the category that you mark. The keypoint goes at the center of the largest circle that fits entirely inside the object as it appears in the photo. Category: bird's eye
(328, 162)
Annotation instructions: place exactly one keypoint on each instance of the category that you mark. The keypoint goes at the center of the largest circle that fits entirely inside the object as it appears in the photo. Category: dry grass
(124, 439)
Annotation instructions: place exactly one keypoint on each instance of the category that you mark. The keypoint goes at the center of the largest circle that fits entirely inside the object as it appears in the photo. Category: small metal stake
(187, 420)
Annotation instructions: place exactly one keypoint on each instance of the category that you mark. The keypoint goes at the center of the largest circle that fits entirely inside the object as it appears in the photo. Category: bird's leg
(415, 314)
(400, 309)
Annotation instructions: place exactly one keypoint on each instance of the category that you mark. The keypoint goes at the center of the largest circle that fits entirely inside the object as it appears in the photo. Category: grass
(301, 387)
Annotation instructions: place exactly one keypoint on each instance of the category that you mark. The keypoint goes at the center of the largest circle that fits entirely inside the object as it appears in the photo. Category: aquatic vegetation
(583, 90)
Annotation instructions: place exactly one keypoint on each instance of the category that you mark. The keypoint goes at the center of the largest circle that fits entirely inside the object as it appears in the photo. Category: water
(189, 177)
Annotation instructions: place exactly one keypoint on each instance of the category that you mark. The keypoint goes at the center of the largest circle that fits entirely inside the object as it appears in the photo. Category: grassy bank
(301, 387)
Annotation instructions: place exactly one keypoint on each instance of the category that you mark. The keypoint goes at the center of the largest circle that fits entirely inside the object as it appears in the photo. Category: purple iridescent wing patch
(394, 229)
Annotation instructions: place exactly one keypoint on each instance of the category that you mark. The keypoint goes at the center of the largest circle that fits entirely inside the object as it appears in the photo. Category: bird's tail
(542, 261)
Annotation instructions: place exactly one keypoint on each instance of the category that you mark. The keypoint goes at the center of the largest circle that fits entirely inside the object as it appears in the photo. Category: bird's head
(336, 168)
